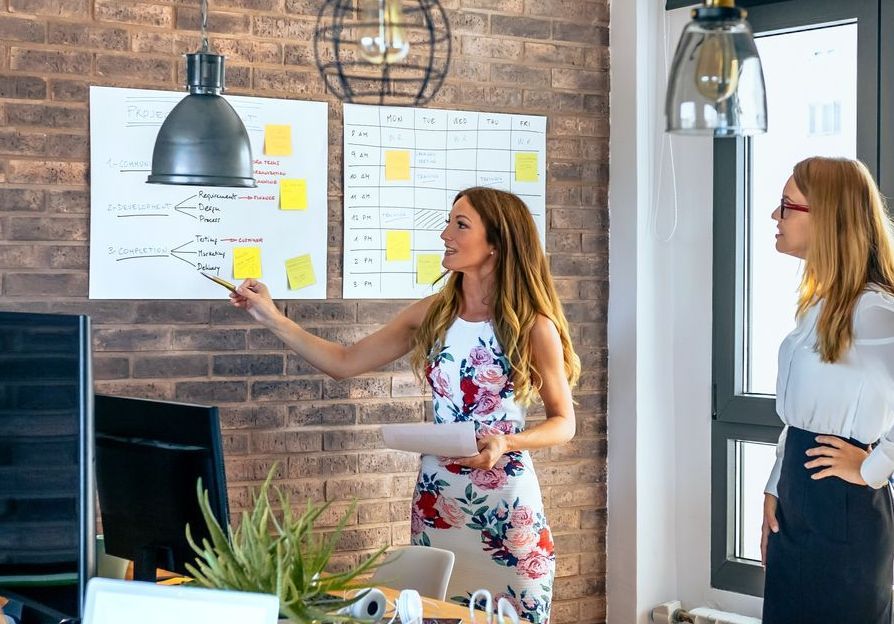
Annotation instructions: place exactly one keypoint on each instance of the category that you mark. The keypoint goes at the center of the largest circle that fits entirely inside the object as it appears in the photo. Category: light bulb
(717, 69)
(381, 37)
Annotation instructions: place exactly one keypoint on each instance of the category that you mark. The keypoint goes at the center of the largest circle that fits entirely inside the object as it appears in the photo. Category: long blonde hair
(523, 289)
(850, 246)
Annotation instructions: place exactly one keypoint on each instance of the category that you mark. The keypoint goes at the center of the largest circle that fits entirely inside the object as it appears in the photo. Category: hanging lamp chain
(204, 25)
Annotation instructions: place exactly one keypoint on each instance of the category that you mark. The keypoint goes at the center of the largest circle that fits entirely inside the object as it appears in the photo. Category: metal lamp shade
(203, 141)
(716, 84)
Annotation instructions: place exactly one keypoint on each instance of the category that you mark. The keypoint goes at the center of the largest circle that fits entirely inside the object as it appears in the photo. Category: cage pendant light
(203, 141)
(716, 83)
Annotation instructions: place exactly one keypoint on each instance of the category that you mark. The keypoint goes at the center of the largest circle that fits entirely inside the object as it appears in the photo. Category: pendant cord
(204, 25)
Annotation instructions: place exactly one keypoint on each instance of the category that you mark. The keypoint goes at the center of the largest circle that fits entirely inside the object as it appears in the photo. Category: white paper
(448, 151)
(149, 241)
(444, 440)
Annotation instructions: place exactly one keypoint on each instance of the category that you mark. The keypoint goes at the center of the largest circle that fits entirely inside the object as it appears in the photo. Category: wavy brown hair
(850, 246)
(523, 289)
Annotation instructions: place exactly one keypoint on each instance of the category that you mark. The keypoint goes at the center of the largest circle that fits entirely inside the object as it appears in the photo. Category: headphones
(505, 614)
(407, 607)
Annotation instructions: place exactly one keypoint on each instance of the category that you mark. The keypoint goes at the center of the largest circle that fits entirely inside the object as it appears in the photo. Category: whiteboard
(150, 241)
(404, 166)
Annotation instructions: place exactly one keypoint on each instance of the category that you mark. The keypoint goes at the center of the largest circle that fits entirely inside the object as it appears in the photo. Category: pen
(222, 282)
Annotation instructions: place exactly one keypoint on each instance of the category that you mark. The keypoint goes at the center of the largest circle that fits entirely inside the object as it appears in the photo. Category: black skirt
(833, 558)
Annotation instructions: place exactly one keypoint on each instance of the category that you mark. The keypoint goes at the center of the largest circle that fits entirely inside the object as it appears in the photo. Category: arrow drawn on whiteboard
(180, 208)
(176, 253)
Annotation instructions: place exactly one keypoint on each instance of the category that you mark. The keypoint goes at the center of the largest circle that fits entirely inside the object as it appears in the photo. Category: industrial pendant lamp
(202, 141)
(716, 83)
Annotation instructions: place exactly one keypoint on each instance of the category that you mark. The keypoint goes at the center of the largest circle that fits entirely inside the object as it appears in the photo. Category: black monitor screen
(149, 455)
(46, 478)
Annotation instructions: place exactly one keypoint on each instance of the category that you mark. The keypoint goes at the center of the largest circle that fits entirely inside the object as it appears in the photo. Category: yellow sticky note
(397, 245)
(277, 140)
(428, 268)
(246, 262)
(300, 270)
(397, 165)
(526, 166)
(293, 194)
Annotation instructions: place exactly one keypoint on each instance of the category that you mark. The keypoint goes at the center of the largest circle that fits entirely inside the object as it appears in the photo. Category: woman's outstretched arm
(389, 343)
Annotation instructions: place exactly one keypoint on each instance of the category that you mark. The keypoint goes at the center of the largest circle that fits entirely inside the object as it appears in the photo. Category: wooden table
(432, 608)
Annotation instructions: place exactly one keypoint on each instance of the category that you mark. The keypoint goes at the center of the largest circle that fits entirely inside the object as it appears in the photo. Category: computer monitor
(46, 462)
(149, 455)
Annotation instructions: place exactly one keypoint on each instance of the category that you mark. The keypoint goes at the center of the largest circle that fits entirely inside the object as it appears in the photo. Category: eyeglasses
(787, 205)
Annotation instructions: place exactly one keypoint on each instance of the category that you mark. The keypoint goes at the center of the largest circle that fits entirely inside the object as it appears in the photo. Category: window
(821, 65)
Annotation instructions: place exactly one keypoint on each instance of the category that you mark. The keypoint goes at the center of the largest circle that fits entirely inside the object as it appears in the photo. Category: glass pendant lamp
(203, 141)
(716, 83)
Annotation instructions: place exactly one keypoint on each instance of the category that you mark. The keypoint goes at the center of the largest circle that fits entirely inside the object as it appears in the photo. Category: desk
(436, 608)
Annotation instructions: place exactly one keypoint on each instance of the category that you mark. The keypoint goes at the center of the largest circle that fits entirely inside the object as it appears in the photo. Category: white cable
(653, 225)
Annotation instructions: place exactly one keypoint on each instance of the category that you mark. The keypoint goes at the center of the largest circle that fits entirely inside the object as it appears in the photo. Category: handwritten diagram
(151, 241)
(404, 166)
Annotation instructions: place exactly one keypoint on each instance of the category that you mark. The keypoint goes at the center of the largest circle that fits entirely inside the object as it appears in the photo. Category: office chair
(423, 568)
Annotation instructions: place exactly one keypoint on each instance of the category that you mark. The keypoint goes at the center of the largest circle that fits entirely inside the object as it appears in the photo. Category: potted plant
(279, 553)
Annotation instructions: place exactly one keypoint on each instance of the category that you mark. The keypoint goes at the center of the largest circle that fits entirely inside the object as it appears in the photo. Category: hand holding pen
(254, 297)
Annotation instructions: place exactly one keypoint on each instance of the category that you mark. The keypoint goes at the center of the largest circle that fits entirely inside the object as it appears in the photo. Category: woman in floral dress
(489, 342)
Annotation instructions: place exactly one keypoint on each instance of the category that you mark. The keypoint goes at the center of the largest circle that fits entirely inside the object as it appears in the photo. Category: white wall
(659, 336)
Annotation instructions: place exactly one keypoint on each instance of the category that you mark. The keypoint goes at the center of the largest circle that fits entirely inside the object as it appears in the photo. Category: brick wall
(546, 57)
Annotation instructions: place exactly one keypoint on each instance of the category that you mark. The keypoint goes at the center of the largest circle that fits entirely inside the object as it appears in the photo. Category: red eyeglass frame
(787, 205)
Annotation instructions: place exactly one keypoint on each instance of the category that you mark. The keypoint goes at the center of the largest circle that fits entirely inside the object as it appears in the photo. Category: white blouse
(852, 398)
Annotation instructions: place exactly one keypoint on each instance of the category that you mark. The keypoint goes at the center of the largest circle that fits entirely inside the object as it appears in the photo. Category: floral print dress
(493, 519)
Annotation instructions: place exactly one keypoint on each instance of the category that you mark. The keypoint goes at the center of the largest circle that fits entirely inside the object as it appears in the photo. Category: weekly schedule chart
(402, 169)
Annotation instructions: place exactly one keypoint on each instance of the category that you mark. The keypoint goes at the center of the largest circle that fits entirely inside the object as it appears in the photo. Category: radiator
(673, 613)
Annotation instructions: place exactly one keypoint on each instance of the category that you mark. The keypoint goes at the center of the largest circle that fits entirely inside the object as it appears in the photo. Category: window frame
(752, 417)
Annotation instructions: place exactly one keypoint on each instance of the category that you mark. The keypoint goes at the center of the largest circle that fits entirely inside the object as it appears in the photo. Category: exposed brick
(527, 27)
(357, 388)
(131, 339)
(273, 27)
(492, 47)
(579, 79)
(22, 29)
(152, 42)
(68, 90)
(49, 61)
(62, 201)
(26, 200)
(361, 487)
(321, 414)
(68, 256)
(86, 36)
(352, 439)
(331, 464)
(46, 115)
(218, 22)
(501, 6)
(174, 365)
(390, 412)
(588, 33)
(552, 54)
(155, 70)
(381, 462)
(22, 87)
(293, 390)
(45, 284)
(210, 340)
(140, 13)
(271, 6)
(47, 228)
(110, 367)
(211, 392)
(286, 442)
(252, 416)
(247, 365)
(61, 8)
(68, 146)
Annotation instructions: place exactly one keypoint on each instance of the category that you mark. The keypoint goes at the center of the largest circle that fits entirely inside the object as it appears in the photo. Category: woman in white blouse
(828, 531)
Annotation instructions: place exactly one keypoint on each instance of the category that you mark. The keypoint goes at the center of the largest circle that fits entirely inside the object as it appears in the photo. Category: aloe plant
(278, 554)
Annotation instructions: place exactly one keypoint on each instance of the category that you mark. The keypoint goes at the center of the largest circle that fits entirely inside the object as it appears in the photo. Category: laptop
(133, 602)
